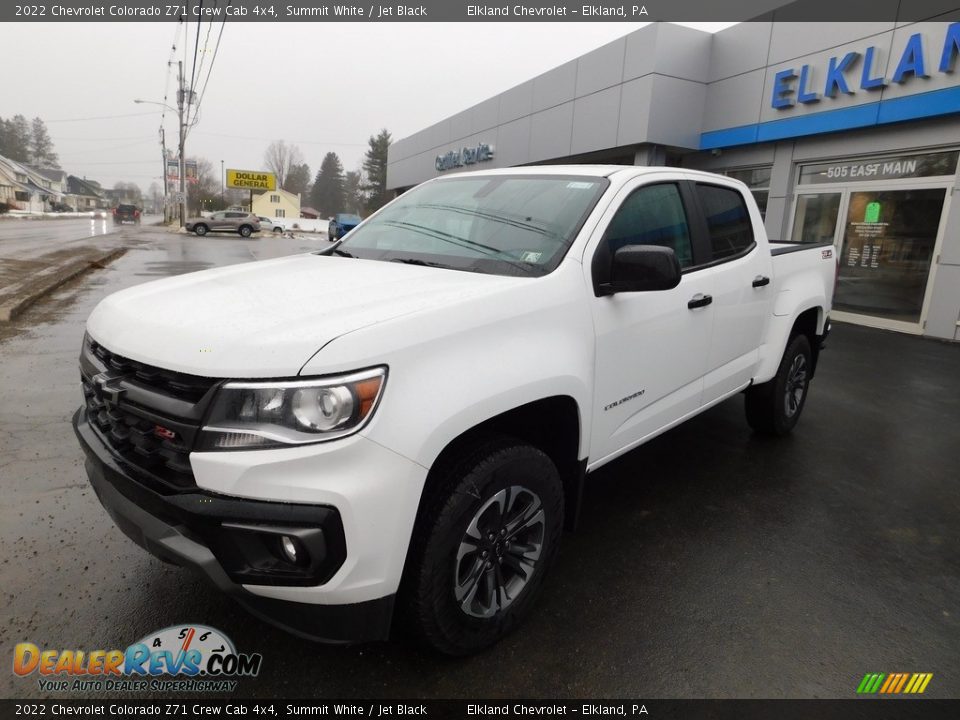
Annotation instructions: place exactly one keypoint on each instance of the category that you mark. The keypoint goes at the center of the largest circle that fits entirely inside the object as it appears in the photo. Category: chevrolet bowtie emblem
(110, 394)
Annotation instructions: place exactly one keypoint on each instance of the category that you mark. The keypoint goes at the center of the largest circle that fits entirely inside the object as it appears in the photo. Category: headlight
(256, 415)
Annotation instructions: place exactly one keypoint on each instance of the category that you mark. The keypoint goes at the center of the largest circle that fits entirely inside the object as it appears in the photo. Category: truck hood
(266, 319)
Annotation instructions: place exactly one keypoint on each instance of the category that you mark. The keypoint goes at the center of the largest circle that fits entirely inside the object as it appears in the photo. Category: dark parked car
(237, 221)
(341, 224)
(126, 214)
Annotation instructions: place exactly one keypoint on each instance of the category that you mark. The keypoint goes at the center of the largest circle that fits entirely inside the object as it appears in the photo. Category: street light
(179, 111)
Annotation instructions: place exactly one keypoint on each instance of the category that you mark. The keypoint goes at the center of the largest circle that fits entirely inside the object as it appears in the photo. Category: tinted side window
(728, 220)
(653, 215)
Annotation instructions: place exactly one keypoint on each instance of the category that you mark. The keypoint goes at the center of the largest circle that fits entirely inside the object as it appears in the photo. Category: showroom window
(758, 180)
(883, 214)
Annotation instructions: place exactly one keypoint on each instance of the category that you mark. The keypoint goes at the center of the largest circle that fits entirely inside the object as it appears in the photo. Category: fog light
(289, 548)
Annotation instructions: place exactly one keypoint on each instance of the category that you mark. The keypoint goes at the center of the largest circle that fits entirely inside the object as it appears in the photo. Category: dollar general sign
(251, 180)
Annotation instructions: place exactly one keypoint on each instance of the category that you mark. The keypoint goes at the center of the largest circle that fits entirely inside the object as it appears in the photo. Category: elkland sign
(791, 87)
(465, 156)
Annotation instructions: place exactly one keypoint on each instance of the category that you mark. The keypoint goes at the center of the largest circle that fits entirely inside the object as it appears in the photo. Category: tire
(245, 231)
(774, 407)
(277, 230)
(201, 230)
(467, 585)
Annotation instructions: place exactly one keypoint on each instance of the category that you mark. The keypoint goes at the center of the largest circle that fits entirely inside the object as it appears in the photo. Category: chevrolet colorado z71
(398, 427)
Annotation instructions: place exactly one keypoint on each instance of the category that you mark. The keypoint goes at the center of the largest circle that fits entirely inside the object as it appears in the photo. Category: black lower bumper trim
(186, 529)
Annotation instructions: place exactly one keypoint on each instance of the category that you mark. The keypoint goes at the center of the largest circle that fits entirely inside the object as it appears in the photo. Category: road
(709, 563)
(28, 239)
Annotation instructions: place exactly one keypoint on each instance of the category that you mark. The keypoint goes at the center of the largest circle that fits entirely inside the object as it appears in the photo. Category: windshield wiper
(342, 253)
(424, 263)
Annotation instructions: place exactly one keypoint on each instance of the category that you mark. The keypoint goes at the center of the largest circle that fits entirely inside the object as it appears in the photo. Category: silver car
(234, 221)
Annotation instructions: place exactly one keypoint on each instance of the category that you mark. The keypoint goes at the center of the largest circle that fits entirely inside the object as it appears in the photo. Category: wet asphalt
(709, 563)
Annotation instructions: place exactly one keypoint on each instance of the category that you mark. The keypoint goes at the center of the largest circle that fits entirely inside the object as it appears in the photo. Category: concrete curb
(13, 309)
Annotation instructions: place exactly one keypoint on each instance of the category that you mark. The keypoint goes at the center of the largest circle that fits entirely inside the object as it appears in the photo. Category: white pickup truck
(395, 430)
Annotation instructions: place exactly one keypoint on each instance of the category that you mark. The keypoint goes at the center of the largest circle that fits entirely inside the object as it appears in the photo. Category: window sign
(889, 168)
(872, 213)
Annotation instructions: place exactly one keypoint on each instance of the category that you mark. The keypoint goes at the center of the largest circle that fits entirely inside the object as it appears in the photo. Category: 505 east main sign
(844, 73)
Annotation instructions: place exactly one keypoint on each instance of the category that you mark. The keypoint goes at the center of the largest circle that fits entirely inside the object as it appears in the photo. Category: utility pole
(222, 207)
(183, 169)
(163, 150)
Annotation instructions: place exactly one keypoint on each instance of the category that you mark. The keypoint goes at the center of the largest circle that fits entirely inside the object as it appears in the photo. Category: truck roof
(588, 170)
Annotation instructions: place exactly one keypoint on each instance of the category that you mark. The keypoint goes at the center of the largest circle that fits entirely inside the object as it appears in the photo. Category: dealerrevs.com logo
(187, 658)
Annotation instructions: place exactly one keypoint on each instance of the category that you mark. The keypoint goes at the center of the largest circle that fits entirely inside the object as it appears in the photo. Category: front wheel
(774, 407)
(482, 547)
(201, 230)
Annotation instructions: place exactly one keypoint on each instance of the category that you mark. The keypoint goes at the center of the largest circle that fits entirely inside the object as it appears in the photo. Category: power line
(298, 142)
(116, 162)
(108, 149)
(196, 47)
(213, 59)
(103, 117)
(206, 50)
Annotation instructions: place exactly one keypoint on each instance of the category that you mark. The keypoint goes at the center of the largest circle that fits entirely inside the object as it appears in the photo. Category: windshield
(352, 219)
(496, 224)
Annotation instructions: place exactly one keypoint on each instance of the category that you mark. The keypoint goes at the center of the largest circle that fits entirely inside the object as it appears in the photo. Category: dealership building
(845, 132)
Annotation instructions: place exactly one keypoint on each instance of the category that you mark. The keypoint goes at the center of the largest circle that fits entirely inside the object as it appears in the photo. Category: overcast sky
(321, 86)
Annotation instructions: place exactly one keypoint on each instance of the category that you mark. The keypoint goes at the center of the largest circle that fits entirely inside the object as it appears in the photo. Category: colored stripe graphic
(894, 683)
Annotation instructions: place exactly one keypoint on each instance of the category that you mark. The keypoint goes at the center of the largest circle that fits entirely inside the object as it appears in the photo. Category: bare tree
(281, 158)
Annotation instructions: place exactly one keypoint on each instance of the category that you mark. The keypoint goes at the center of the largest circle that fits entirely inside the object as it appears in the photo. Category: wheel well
(807, 323)
(551, 424)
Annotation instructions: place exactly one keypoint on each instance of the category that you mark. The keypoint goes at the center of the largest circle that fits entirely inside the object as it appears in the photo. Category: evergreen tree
(297, 180)
(41, 146)
(327, 194)
(375, 168)
(15, 139)
(353, 197)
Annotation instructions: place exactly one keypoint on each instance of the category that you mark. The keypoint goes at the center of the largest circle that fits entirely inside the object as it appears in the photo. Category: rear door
(652, 347)
(741, 269)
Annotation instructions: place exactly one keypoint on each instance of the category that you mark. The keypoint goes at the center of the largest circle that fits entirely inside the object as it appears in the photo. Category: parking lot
(709, 563)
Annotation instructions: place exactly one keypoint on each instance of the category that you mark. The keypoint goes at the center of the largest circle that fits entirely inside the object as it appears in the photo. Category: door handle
(760, 281)
(699, 300)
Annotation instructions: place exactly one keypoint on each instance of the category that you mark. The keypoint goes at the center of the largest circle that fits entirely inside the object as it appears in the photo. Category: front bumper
(208, 532)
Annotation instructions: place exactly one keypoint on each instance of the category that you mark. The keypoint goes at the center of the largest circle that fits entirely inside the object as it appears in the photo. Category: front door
(887, 249)
(652, 349)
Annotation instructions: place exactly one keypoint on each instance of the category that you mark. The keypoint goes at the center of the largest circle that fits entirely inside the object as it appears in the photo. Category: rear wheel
(482, 547)
(774, 407)
(201, 230)
(245, 231)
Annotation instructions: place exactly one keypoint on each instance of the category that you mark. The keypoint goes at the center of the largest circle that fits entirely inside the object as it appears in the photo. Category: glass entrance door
(886, 252)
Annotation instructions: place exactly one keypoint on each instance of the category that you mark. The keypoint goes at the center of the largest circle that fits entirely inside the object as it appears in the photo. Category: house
(24, 188)
(56, 181)
(277, 204)
(84, 194)
(309, 213)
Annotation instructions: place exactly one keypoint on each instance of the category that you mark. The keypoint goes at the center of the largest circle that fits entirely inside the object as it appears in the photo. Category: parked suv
(271, 224)
(126, 214)
(340, 224)
(238, 221)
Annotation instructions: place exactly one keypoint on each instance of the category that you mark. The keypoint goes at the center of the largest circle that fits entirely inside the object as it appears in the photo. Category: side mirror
(642, 268)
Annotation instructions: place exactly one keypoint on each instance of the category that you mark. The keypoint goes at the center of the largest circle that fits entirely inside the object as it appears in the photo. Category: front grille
(178, 385)
(149, 417)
